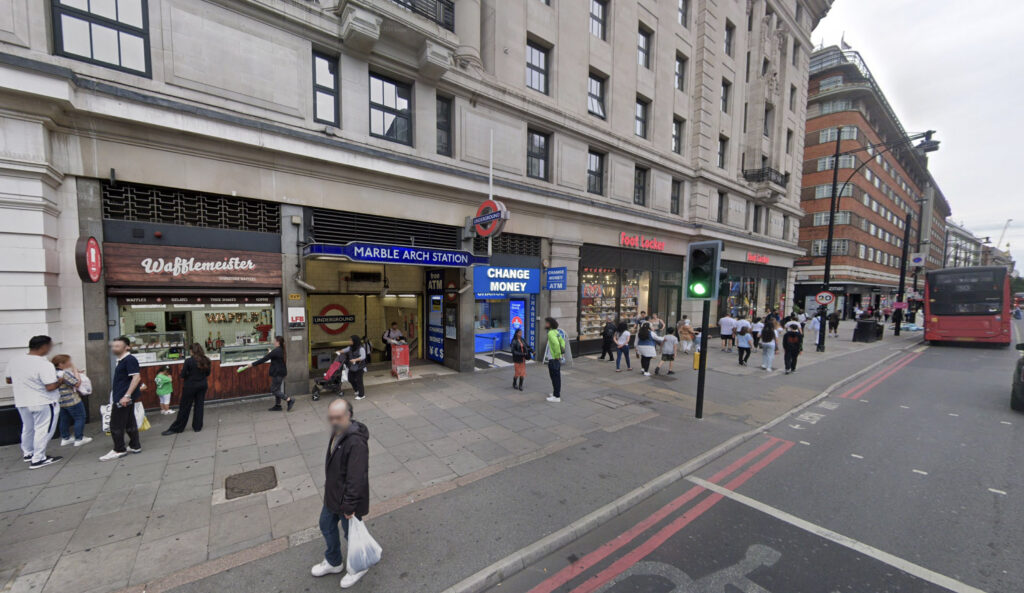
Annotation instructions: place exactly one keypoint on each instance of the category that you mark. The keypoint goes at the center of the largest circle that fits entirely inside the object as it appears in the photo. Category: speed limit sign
(824, 298)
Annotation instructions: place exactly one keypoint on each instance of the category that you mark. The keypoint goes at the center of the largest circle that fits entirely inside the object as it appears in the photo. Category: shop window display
(598, 299)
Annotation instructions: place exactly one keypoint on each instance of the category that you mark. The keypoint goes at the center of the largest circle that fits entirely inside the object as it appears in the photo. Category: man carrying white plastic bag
(346, 497)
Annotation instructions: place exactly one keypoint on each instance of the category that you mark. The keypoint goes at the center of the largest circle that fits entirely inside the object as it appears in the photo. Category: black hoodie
(347, 483)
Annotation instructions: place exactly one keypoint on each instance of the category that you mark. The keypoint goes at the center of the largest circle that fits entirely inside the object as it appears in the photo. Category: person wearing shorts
(668, 350)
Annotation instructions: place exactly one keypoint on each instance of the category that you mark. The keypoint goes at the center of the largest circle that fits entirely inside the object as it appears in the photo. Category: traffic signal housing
(703, 263)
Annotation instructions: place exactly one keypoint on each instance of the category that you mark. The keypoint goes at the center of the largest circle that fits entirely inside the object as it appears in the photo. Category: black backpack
(792, 337)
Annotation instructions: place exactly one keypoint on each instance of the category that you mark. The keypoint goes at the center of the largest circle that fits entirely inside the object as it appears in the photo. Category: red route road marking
(658, 539)
(885, 376)
(583, 564)
(863, 383)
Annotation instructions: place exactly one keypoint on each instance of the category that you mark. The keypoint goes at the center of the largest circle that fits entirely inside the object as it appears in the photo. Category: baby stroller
(333, 379)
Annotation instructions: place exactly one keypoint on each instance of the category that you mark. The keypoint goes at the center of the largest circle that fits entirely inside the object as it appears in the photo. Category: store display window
(598, 299)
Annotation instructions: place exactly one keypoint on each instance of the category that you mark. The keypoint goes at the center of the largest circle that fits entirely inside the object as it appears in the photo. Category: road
(906, 479)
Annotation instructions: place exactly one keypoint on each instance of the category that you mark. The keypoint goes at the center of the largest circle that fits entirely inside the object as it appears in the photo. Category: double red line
(774, 447)
(871, 382)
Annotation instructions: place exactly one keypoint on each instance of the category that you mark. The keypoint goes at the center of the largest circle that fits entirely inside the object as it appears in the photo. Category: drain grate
(251, 482)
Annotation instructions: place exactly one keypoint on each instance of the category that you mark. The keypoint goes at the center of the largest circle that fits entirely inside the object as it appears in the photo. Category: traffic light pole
(705, 319)
(898, 321)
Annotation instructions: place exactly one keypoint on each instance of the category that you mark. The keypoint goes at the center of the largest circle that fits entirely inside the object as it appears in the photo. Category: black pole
(903, 272)
(831, 233)
(705, 319)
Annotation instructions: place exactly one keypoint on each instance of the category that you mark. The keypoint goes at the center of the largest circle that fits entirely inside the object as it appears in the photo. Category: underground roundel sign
(333, 319)
(89, 259)
(490, 218)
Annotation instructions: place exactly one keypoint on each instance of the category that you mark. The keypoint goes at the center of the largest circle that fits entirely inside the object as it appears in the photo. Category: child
(164, 387)
(744, 343)
(668, 350)
(72, 410)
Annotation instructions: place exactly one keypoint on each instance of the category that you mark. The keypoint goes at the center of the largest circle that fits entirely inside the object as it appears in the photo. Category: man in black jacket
(608, 339)
(346, 487)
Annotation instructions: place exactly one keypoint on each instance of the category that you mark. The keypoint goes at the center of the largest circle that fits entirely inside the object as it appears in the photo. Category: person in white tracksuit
(34, 381)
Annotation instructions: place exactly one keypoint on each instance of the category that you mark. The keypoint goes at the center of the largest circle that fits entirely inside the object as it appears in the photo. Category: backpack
(791, 337)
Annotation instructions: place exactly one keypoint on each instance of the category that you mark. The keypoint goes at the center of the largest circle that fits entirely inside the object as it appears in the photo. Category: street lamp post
(898, 313)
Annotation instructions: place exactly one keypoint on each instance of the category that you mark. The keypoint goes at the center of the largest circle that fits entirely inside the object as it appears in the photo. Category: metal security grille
(146, 203)
(333, 226)
(510, 244)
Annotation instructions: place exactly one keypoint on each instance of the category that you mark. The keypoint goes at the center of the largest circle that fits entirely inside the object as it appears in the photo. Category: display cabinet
(239, 355)
(159, 347)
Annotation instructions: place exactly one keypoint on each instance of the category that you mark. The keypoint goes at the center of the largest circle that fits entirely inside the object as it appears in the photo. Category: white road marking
(905, 407)
(863, 401)
(955, 415)
(855, 456)
(810, 417)
(828, 405)
(848, 542)
(1005, 422)
(994, 491)
(917, 471)
(804, 443)
(796, 427)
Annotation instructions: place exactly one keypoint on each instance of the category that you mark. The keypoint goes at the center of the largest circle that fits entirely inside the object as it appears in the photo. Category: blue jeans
(329, 528)
(555, 372)
(623, 351)
(76, 415)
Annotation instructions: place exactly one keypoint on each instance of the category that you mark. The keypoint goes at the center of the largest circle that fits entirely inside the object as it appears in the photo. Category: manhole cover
(251, 482)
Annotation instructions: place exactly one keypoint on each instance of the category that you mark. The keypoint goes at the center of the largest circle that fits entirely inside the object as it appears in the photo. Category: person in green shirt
(553, 357)
(164, 388)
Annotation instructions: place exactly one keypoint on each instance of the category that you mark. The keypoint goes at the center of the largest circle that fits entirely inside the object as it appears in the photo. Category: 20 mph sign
(825, 298)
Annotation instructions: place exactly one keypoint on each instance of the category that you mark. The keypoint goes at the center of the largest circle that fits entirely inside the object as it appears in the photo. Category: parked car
(1017, 393)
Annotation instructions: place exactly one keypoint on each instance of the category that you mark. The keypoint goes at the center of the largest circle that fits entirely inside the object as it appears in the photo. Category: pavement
(464, 470)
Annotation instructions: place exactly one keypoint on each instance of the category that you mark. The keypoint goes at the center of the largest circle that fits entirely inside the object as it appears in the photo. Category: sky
(957, 68)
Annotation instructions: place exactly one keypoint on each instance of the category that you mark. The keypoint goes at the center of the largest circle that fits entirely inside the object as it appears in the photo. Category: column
(467, 27)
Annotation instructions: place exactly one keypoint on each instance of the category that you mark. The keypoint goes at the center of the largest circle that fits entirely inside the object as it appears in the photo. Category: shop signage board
(214, 301)
(296, 317)
(556, 278)
(641, 242)
(516, 318)
(396, 254)
(89, 259)
(490, 218)
(757, 258)
(435, 323)
(148, 265)
(899, 306)
(499, 282)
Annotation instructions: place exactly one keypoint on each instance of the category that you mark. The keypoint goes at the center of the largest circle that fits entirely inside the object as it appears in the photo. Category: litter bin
(867, 330)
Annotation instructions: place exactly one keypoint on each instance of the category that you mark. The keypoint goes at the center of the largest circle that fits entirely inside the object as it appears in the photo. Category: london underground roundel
(333, 319)
(490, 218)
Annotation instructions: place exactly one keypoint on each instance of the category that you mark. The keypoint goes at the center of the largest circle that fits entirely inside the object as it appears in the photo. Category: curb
(519, 560)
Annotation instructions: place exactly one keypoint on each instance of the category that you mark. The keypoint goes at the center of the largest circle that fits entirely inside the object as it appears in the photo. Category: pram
(333, 379)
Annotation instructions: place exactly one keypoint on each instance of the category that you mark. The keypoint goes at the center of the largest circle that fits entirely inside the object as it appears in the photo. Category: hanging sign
(89, 259)
(490, 218)
(396, 254)
(497, 282)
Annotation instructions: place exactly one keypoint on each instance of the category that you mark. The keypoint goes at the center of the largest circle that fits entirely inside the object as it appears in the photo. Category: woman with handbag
(356, 366)
(521, 352)
(194, 373)
(278, 371)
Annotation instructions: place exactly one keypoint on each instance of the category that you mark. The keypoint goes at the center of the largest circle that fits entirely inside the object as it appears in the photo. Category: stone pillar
(94, 299)
(560, 304)
(467, 27)
(297, 340)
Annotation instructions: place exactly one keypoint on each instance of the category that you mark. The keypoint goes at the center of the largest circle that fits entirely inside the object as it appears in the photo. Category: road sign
(490, 218)
(824, 298)
(917, 259)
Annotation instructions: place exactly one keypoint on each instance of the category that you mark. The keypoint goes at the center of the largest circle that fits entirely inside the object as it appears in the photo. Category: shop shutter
(337, 227)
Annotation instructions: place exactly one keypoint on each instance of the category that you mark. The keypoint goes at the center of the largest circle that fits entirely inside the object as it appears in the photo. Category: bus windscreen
(967, 293)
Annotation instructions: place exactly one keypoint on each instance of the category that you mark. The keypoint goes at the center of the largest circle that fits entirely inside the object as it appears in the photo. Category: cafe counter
(225, 381)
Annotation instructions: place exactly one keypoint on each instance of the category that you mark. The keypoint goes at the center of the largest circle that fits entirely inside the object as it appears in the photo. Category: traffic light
(703, 263)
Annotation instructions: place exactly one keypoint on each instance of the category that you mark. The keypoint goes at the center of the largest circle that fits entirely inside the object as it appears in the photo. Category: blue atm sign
(498, 282)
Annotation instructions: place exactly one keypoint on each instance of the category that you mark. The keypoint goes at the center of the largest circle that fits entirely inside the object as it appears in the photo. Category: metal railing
(766, 174)
(441, 12)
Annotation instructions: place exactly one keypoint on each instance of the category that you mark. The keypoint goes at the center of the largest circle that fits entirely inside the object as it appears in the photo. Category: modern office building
(963, 248)
(223, 172)
(879, 190)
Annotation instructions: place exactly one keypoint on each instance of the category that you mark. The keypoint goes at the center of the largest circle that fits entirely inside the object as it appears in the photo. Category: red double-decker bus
(968, 305)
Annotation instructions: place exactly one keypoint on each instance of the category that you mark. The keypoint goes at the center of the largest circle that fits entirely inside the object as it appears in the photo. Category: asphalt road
(907, 479)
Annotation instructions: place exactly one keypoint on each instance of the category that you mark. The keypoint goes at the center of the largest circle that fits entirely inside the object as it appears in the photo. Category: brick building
(879, 187)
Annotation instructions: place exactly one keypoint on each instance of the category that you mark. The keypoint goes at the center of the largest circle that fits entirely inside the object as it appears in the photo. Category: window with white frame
(837, 105)
(846, 161)
(825, 191)
(829, 134)
(821, 218)
(862, 251)
(111, 33)
(683, 12)
(595, 95)
(598, 18)
(839, 247)
(325, 88)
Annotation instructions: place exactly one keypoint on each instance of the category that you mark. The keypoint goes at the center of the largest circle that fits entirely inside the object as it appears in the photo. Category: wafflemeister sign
(148, 265)
(396, 254)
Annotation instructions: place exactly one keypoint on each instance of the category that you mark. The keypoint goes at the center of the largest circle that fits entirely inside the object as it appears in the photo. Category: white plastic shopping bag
(363, 550)
(140, 417)
(105, 415)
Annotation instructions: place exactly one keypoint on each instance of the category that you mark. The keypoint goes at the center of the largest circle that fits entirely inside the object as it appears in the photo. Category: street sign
(824, 298)
(917, 259)
(556, 278)
(490, 218)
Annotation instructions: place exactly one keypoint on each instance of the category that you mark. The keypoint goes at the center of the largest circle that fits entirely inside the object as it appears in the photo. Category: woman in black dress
(278, 371)
(194, 373)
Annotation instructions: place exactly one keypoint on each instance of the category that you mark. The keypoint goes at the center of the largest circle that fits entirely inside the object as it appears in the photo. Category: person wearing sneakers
(553, 356)
(278, 371)
(124, 392)
(668, 350)
(72, 410)
(36, 397)
(622, 346)
(346, 486)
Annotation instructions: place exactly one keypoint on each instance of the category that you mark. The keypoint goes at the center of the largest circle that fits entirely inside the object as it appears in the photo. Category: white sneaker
(351, 579)
(83, 441)
(554, 399)
(66, 442)
(326, 568)
(139, 450)
(113, 455)
(647, 374)
(359, 397)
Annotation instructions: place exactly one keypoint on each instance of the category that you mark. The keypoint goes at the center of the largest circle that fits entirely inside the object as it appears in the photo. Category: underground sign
(490, 218)
(333, 319)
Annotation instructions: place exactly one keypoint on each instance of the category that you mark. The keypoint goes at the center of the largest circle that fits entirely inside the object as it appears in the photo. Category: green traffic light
(698, 289)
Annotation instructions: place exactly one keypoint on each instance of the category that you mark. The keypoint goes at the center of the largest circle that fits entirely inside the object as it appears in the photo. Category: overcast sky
(954, 67)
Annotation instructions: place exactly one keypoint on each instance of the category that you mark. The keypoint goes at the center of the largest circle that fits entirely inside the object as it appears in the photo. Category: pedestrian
(755, 331)
(72, 410)
(124, 392)
(740, 323)
(164, 388)
(685, 320)
(833, 324)
(769, 345)
(36, 396)
(815, 324)
(645, 346)
(744, 343)
(657, 325)
(194, 375)
(521, 352)
(278, 371)
(668, 351)
(608, 339)
(801, 317)
(792, 343)
(725, 327)
(553, 354)
(357, 354)
(622, 346)
(686, 336)
(391, 336)
(346, 486)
